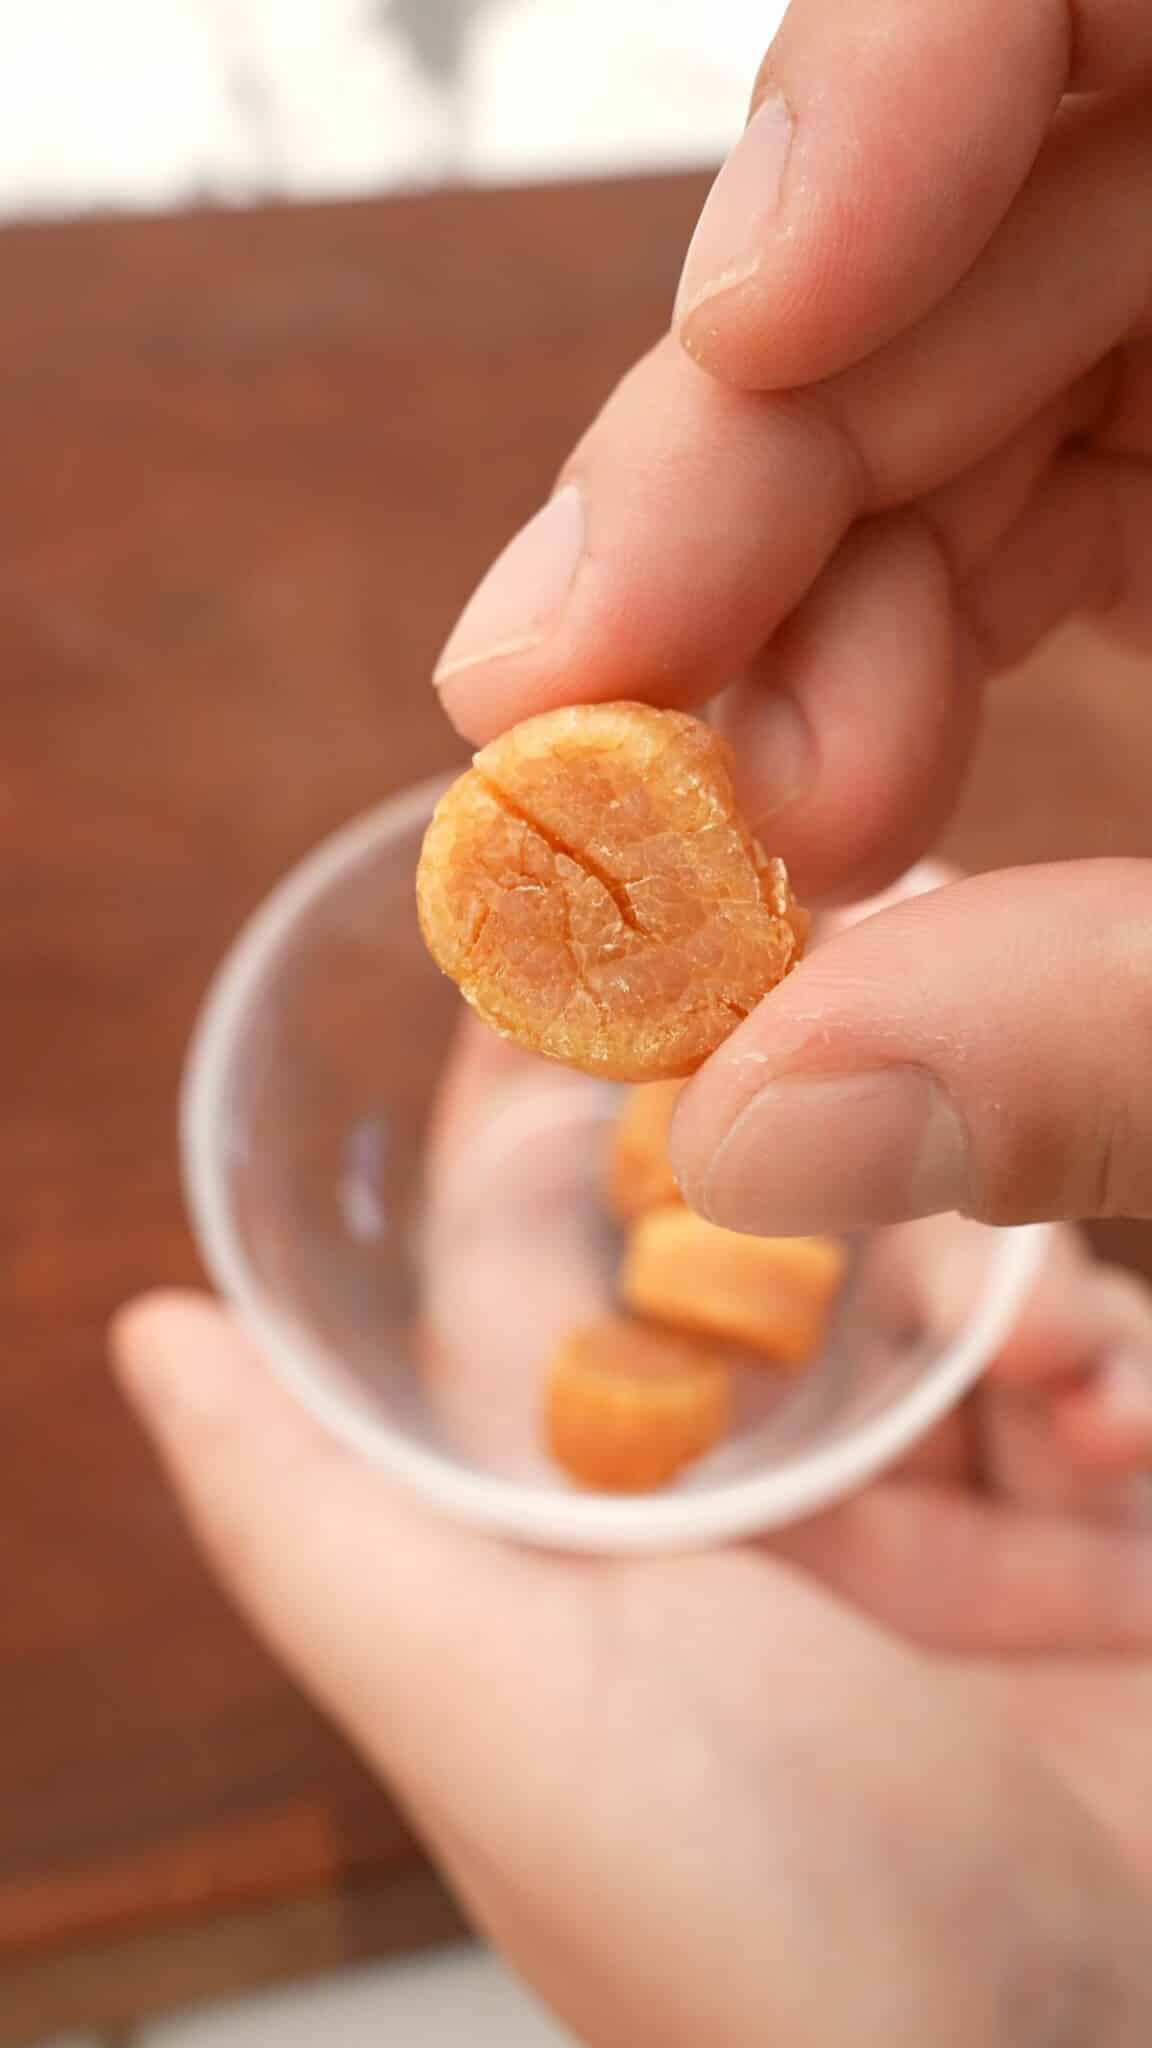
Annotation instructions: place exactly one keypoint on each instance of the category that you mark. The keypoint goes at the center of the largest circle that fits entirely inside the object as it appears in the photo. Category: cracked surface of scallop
(591, 887)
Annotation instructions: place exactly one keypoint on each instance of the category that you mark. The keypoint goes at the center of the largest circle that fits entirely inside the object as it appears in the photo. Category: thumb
(982, 1048)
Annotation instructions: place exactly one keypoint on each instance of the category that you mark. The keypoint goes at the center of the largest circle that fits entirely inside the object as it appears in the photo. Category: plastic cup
(309, 1089)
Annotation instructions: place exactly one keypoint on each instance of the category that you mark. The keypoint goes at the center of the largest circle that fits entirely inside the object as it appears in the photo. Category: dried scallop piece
(628, 1405)
(591, 887)
(770, 1294)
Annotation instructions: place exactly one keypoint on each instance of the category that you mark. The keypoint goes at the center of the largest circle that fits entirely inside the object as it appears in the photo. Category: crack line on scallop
(482, 919)
(617, 891)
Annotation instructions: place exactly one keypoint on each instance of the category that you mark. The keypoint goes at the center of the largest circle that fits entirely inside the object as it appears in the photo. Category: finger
(981, 1048)
(1105, 1420)
(917, 881)
(955, 1573)
(1069, 1402)
(1079, 1314)
(874, 664)
(1080, 1353)
(857, 720)
(1080, 546)
(885, 145)
(894, 639)
(864, 740)
(1075, 1315)
(974, 510)
(690, 521)
(1067, 276)
(481, 1066)
(694, 519)
(1029, 1466)
(515, 1251)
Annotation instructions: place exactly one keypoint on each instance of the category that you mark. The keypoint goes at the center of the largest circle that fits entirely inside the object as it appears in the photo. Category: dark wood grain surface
(252, 463)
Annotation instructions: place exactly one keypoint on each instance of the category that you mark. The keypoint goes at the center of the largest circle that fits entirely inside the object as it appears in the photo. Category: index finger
(886, 144)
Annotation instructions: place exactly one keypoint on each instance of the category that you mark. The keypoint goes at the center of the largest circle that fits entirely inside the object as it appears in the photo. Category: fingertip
(976, 1049)
(482, 699)
(864, 187)
(160, 1311)
(148, 1337)
(719, 294)
(706, 516)
(200, 1386)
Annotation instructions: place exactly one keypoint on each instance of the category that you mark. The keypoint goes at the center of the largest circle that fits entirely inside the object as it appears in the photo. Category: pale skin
(886, 1780)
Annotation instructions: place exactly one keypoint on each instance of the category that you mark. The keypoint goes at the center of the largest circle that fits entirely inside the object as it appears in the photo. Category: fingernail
(739, 212)
(524, 591)
(169, 1358)
(1125, 1388)
(838, 1154)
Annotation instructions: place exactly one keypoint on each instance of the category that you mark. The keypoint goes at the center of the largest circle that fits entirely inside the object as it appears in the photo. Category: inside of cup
(422, 1308)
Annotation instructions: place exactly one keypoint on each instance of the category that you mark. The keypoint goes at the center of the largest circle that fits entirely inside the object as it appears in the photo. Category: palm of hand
(669, 1788)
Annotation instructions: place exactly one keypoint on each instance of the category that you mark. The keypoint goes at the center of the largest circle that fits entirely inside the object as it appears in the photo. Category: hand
(695, 1750)
(699, 1799)
(902, 430)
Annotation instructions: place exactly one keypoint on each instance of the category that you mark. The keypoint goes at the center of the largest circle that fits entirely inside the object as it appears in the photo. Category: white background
(147, 103)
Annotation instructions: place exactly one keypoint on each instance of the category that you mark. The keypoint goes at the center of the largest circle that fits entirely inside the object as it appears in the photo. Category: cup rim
(744, 1506)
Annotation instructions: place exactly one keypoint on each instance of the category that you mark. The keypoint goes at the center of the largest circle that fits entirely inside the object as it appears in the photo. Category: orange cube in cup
(629, 1405)
(770, 1294)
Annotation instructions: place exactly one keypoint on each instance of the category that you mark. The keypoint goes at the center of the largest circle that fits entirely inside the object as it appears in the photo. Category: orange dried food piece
(639, 1170)
(769, 1294)
(592, 888)
(629, 1405)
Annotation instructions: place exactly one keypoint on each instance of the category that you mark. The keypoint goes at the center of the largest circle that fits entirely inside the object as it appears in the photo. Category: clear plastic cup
(308, 1095)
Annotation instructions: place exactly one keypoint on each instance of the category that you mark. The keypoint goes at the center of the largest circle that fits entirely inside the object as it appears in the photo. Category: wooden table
(252, 464)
